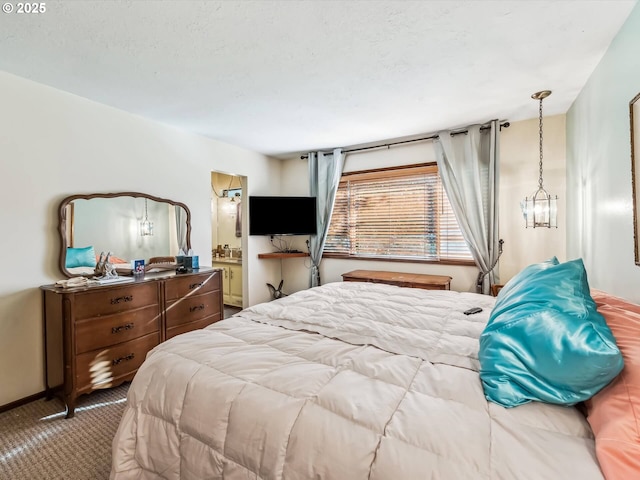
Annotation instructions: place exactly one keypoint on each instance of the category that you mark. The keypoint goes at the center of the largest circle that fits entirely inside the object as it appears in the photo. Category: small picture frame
(138, 268)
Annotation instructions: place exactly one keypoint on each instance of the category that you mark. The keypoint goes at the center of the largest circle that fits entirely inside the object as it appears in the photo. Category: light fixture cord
(540, 179)
(146, 217)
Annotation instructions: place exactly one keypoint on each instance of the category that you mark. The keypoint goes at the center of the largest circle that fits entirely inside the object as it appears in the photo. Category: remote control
(473, 310)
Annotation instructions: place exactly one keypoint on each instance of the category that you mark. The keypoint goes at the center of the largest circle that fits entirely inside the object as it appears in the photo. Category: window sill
(463, 263)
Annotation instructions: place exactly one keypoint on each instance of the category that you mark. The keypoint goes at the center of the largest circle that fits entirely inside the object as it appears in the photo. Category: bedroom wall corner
(294, 179)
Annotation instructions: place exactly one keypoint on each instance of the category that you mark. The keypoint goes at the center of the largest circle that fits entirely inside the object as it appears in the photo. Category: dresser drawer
(107, 301)
(187, 327)
(190, 309)
(179, 287)
(100, 332)
(110, 363)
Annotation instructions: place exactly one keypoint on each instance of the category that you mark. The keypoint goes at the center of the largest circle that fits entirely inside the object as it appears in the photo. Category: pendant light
(541, 208)
(146, 227)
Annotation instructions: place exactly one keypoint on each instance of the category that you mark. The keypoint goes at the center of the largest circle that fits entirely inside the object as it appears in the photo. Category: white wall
(519, 157)
(599, 192)
(54, 144)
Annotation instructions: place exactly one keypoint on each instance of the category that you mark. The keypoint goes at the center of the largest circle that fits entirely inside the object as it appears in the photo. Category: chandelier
(146, 227)
(540, 209)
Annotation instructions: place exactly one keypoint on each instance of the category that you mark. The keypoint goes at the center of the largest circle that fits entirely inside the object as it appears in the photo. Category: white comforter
(295, 389)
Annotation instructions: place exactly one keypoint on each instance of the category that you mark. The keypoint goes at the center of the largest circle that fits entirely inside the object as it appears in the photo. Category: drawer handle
(197, 307)
(117, 300)
(126, 358)
(195, 285)
(127, 326)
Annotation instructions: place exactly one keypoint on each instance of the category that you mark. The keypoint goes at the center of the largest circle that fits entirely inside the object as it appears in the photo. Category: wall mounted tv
(282, 215)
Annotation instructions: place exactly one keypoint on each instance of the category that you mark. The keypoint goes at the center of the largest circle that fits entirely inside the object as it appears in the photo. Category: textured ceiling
(281, 77)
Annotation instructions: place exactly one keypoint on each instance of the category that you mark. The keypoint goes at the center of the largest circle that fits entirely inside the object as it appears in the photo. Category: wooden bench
(411, 280)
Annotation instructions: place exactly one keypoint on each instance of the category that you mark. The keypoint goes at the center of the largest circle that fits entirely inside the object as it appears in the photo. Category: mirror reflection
(226, 212)
(129, 225)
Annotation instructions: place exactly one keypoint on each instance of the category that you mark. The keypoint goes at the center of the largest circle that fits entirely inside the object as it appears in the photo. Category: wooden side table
(495, 289)
(411, 280)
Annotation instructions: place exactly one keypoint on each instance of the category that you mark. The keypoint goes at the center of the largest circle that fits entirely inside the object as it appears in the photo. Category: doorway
(228, 236)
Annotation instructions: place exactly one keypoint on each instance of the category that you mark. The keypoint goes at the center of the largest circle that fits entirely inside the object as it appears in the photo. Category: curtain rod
(430, 137)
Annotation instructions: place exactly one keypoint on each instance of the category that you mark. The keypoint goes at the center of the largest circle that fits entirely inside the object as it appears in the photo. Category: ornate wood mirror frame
(117, 216)
(634, 117)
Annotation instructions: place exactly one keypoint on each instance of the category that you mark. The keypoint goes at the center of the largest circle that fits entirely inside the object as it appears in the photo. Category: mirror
(634, 116)
(114, 222)
(226, 219)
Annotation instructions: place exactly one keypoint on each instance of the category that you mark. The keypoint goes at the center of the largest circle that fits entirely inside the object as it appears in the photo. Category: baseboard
(22, 401)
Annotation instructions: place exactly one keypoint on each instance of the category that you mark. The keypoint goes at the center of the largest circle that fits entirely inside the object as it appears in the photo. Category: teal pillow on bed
(545, 340)
(524, 275)
(80, 257)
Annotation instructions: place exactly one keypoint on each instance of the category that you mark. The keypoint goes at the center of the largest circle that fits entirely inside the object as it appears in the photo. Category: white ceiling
(282, 77)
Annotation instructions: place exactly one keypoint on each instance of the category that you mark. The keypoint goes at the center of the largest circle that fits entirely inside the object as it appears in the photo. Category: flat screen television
(282, 215)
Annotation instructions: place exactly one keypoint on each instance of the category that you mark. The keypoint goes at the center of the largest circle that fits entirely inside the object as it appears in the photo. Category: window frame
(386, 172)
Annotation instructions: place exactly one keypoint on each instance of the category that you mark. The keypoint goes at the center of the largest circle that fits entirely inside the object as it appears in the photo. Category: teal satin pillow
(524, 276)
(80, 257)
(545, 341)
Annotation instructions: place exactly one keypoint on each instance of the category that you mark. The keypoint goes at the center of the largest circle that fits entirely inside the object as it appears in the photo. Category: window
(399, 214)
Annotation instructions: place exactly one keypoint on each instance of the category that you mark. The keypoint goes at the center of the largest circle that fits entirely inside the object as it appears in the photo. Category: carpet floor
(38, 443)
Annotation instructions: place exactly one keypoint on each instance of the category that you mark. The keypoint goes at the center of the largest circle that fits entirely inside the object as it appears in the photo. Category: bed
(344, 381)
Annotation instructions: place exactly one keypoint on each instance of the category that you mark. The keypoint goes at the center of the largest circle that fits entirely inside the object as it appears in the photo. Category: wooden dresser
(98, 336)
(412, 280)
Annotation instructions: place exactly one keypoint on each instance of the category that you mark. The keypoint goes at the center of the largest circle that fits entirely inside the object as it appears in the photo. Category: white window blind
(401, 213)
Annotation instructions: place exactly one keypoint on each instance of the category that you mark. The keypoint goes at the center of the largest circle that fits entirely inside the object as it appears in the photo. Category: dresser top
(148, 277)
